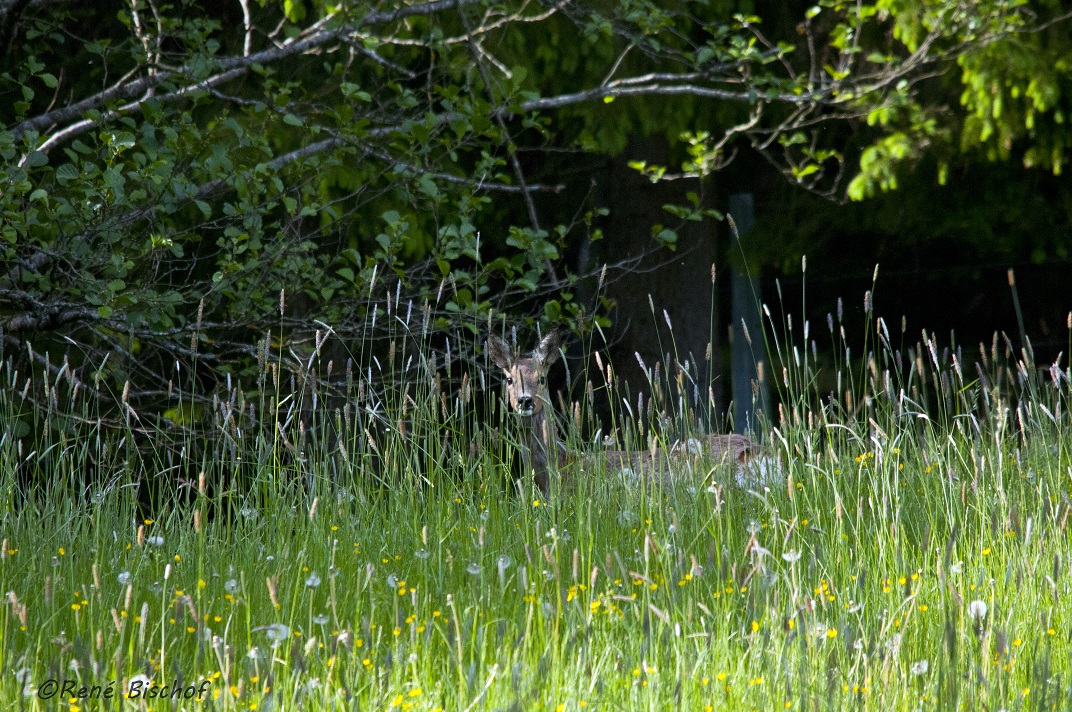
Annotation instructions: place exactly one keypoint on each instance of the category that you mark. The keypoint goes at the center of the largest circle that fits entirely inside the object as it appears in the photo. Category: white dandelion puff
(137, 683)
(977, 609)
(277, 633)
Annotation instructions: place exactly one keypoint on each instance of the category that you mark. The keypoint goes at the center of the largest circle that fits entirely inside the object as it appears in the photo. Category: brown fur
(526, 389)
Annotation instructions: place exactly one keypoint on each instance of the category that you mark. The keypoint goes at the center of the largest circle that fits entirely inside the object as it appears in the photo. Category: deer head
(526, 378)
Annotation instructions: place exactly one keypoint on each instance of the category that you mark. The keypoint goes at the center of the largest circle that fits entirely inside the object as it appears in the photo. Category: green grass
(409, 575)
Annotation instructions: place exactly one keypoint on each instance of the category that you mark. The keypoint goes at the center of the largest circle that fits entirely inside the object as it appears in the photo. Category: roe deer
(526, 387)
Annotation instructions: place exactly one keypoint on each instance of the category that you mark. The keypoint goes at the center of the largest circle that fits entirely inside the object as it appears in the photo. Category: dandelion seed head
(277, 633)
(138, 682)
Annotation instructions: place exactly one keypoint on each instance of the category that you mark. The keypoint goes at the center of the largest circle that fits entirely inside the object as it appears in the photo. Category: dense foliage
(173, 174)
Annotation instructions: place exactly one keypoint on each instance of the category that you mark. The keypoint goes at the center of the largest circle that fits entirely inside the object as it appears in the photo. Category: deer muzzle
(525, 405)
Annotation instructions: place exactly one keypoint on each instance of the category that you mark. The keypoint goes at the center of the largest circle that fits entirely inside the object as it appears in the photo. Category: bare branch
(598, 93)
(247, 23)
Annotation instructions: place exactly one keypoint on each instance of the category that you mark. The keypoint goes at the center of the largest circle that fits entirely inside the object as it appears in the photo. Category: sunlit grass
(912, 552)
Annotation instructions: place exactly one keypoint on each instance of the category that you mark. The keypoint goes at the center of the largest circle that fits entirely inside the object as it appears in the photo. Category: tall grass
(293, 549)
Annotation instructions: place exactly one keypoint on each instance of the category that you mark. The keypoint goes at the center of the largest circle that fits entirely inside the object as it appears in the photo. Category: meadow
(910, 551)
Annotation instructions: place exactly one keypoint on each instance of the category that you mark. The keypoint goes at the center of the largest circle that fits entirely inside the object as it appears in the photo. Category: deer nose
(524, 403)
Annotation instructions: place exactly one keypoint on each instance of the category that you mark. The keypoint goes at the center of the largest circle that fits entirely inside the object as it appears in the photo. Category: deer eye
(509, 381)
(541, 380)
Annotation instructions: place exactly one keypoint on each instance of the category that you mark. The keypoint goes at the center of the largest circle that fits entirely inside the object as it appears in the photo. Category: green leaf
(183, 414)
(294, 10)
(666, 237)
(552, 310)
(428, 186)
(20, 428)
(354, 91)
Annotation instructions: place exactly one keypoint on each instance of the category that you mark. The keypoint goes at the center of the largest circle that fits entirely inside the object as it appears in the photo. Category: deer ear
(548, 350)
(500, 352)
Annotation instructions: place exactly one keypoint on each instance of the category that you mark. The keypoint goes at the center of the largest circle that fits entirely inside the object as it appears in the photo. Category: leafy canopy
(169, 170)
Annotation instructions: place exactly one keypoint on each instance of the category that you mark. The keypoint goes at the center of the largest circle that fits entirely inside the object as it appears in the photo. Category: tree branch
(232, 67)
